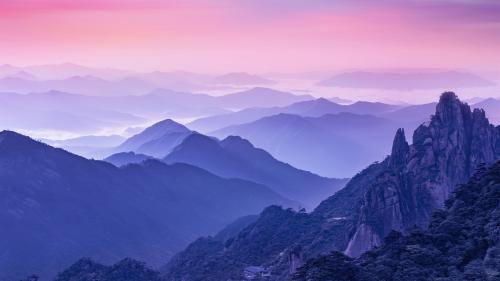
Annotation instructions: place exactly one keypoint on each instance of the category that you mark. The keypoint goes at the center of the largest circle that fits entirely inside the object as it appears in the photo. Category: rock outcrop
(419, 178)
(461, 243)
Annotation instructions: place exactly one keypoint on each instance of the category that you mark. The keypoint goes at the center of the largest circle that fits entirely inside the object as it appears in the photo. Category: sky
(253, 35)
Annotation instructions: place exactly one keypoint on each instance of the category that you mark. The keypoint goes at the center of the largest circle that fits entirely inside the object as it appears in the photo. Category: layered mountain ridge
(58, 207)
(397, 193)
(235, 157)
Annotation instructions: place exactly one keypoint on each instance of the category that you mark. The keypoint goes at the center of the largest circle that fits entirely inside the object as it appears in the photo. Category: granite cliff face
(419, 178)
(461, 243)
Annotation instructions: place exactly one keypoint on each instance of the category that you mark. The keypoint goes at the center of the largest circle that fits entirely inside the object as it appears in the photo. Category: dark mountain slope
(58, 207)
(235, 157)
(462, 243)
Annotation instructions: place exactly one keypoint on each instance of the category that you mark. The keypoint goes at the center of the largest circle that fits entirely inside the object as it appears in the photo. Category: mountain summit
(156, 140)
(445, 152)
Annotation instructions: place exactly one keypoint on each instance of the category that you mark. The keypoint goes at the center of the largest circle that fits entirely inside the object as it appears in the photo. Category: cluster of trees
(127, 270)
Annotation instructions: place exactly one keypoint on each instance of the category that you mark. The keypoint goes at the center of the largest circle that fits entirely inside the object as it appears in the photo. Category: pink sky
(252, 35)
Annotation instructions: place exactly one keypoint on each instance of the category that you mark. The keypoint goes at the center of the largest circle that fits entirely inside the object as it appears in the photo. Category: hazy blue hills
(60, 207)
(77, 114)
(50, 111)
(336, 145)
(308, 108)
(255, 96)
(234, 157)
(410, 116)
(406, 81)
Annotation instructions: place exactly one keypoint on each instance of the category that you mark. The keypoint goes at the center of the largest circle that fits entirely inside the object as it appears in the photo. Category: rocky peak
(400, 149)
(445, 152)
(450, 109)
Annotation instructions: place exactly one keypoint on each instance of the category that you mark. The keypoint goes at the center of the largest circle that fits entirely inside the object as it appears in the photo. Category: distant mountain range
(59, 76)
(56, 111)
(406, 80)
(412, 114)
(255, 96)
(81, 114)
(85, 85)
(59, 207)
(62, 71)
(335, 145)
(309, 108)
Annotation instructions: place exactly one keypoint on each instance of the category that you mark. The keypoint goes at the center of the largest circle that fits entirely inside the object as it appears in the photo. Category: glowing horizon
(254, 36)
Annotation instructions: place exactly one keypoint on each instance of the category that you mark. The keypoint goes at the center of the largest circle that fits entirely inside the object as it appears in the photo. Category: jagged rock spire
(400, 149)
(419, 178)
(450, 109)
